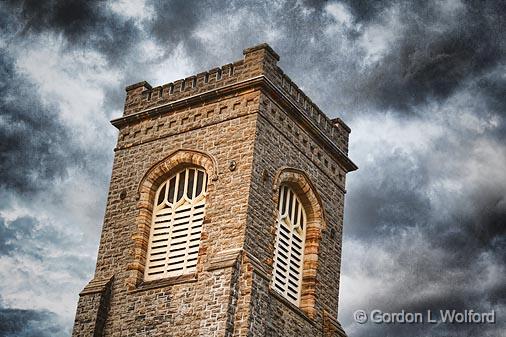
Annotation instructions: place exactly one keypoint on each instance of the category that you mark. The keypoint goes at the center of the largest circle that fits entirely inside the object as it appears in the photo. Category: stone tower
(225, 210)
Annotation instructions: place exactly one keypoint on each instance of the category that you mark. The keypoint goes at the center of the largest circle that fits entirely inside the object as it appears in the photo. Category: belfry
(225, 210)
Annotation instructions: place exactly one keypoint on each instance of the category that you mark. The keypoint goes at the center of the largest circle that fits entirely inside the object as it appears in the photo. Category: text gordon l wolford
(429, 316)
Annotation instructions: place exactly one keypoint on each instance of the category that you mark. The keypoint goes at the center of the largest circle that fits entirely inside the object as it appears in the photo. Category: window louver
(178, 215)
(289, 246)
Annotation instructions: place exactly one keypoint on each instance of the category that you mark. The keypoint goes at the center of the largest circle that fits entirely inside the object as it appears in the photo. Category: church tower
(225, 210)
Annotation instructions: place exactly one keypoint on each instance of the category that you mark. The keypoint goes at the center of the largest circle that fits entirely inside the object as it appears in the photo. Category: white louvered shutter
(178, 215)
(289, 246)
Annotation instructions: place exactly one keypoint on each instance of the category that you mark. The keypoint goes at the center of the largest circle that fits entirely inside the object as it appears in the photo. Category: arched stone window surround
(301, 184)
(146, 191)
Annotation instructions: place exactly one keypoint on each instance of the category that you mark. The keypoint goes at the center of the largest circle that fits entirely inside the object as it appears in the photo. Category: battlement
(335, 129)
(258, 61)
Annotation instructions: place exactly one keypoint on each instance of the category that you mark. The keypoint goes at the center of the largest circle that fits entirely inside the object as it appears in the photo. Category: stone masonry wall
(224, 129)
(280, 143)
(93, 308)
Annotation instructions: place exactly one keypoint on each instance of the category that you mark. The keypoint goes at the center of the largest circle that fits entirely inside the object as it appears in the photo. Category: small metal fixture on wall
(232, 165)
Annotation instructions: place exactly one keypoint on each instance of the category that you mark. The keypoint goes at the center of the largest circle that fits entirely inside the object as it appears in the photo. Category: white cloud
(378, 135)
(340, 13)
(73, 82)
(378, 37)
(174, 65)
(138, 9)
(221, 36)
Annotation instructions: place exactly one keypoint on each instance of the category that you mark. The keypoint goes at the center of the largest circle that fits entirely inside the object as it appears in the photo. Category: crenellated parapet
(335, 129)
(141, 96)
(258, 63)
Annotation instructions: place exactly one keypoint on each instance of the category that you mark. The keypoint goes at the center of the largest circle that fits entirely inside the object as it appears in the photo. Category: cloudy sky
(422, 84)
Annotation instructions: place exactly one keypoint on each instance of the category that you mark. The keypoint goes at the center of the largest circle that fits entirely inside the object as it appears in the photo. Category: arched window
(289, 245)
(178, 214)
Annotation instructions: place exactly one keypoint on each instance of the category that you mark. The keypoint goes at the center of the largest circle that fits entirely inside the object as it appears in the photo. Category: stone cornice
(258, 81)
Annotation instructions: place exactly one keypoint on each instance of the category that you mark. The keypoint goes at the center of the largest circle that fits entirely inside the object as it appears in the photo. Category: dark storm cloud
(175, 23)
(429, 330)
(420, 278)
(395, 194)
(175, 20)
(437, 53)
(389, 197)
(35, 148)
(492, 87)
(30, 323)
(364, 10)
(85, 24)
(479, 229)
